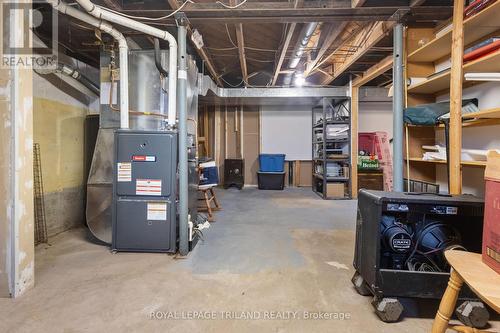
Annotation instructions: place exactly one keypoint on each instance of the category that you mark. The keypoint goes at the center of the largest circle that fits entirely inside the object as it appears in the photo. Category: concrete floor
(270, 253)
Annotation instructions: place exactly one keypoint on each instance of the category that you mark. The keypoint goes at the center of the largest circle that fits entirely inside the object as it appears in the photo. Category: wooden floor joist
(370, 36)
(371, 73)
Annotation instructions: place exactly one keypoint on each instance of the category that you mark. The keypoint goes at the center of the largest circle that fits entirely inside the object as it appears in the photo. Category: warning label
(148, 187)
(124, 172)
(157, 211)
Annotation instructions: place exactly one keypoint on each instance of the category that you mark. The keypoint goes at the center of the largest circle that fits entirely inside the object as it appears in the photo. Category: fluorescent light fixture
(299, 80)
(482, 76)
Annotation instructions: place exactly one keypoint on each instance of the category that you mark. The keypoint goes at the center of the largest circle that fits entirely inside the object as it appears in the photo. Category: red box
(491, 228)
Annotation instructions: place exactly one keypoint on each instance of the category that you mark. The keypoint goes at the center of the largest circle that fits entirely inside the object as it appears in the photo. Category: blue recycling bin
(272, 162)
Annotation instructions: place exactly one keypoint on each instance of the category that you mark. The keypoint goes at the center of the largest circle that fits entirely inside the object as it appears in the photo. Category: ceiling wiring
(230, 7)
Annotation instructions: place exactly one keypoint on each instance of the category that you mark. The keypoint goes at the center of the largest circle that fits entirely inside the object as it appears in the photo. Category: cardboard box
(335, 190)
(491, 228)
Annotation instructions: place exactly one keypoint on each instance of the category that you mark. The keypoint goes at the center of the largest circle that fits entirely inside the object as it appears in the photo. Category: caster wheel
(360, 285)
(387, 309)
(473, 314)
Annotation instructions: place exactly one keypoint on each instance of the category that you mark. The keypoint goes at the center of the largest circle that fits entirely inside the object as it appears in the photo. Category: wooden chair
(467, 268)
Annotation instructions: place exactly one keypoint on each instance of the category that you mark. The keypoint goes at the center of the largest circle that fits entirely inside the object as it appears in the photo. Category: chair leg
(448, 302)
(216, 202)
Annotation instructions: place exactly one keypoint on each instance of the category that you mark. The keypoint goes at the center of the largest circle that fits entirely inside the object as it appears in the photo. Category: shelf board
(464, 163)
(331, 179)
(331, 141)
(340, 159)
(441, 82)
(475, 27)
(484, 114)
(332, 122)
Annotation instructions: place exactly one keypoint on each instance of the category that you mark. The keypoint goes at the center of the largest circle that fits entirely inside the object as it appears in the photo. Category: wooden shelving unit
(421, 62)
(475, 27)
(441, 82)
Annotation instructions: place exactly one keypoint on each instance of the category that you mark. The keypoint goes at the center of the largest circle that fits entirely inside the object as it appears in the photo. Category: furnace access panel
(145, 191)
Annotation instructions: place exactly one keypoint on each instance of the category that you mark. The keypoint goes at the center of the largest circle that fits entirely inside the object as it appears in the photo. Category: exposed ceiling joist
(332, 36)
(357, 3)
(414, 3)
(340, 48)
(376, 70)
(286, 44)
(241, 52)
(274, 5)
(240, 41)
(201, 51)
(303, 15)
(373, 34)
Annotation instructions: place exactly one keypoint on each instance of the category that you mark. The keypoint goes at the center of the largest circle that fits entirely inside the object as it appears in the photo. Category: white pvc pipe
(102, 13)
(123, 51)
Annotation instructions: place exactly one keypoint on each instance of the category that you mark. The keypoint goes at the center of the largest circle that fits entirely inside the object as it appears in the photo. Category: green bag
(429, 114)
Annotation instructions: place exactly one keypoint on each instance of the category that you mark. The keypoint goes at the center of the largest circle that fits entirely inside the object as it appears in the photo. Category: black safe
(234, 173)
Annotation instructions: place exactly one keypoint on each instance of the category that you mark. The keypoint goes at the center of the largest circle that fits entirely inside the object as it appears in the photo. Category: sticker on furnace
(148, 187)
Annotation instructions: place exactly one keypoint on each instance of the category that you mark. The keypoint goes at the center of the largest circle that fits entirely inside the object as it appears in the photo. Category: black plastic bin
(271, 180)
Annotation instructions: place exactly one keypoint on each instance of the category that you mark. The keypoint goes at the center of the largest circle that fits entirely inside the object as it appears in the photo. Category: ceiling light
(299, 80)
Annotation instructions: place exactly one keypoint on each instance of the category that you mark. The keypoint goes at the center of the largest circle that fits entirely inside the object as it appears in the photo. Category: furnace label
(124, 172)
(157, 211)
(148, 187)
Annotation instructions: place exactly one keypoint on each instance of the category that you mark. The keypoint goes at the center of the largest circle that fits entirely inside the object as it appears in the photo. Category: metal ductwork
(299, 49)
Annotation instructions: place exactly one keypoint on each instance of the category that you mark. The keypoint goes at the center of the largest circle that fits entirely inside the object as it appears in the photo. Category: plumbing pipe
(73, 73)
(183, 149)
(123, 50)
(104, 14)
(397, 109)
(83, 82)
(158, 64)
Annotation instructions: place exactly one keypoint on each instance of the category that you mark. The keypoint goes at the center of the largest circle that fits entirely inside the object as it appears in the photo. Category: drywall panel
(374, 117)
(287, 130)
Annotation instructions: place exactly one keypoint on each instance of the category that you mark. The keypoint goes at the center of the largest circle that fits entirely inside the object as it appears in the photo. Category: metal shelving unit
(332, 156)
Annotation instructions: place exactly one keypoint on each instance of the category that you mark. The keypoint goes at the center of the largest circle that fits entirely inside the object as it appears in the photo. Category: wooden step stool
(208, 196)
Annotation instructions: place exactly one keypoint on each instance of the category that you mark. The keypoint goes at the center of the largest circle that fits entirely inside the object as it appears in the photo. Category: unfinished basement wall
(59, 113)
